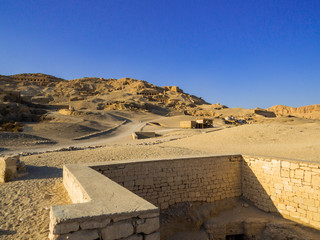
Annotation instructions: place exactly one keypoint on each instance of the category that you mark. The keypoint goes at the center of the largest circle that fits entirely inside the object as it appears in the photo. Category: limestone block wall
(142, 135)
(166, 182)
(288, 187)
(102, 209)
(120, 200)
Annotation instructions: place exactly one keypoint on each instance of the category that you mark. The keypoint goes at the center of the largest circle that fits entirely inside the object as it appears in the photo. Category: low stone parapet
(142, 135)
(103, 209)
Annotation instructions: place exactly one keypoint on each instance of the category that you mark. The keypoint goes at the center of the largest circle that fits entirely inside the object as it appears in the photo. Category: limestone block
(316, 181)
(285, 173)
(117, 231)
(309, 202)
(153, 236)
(316, 224)
(294, 166)
(149, 215)
(298, 173)
(316, 216)
(285, 164)
(8, 168)
(278, 186)
(312, 209)
(295, 215)
(64, 228)
(94, 224)
(149, 226)
(120, 218)
(79, 235)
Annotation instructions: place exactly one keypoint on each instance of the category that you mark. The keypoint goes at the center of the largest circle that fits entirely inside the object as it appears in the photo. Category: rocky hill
(311, 111)
(88, 94)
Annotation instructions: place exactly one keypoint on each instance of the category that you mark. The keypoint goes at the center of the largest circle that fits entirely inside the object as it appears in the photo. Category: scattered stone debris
(66, 149)
(11, 127)
(233, 120)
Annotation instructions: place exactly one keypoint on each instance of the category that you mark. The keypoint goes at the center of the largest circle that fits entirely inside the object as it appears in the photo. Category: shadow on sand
(40, 172)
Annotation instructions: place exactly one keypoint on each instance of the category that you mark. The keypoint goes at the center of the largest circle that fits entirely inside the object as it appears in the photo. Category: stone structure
(11, 167)
(10, 96)
(264, 113)
(103, 210)
(41, 99)
(142, 135)
(148, 92)
(172, 88)
(291, 188)
(120, 200)
(188, 124)
(199, 123)
(204, 123)
(36, 77)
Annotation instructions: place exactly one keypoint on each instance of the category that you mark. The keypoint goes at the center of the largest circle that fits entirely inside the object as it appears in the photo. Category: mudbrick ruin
(123, 200)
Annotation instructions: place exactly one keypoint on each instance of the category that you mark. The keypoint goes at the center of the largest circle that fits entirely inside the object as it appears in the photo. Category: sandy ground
(295, 140)
(24, 202)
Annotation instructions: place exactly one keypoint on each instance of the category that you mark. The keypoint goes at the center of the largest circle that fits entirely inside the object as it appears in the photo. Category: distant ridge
(310, 111)
(94, 93)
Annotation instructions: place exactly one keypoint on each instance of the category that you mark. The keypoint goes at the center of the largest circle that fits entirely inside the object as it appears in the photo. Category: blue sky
(241, 53)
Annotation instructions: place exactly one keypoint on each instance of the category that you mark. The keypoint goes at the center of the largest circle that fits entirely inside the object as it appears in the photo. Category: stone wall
(166, 182)
(121, 200)
(142, 135)
(102, 209)
(283, 186)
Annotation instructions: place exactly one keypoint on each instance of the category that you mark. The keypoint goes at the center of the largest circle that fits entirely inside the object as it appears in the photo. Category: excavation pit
(122, 200)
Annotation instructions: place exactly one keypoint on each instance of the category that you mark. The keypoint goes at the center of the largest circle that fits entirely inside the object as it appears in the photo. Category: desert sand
(92, 135)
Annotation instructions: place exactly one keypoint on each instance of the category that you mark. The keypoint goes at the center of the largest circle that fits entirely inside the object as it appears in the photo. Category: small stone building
(204, 123)
(188, 124)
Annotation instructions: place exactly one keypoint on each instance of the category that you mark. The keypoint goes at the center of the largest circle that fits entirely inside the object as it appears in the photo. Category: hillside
(101, 94)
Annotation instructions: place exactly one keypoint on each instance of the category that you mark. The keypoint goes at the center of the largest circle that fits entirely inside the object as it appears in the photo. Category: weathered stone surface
(94, 224)
(149, 226)
(149, 215)
(135, 237)
(316, 180)
(79, 235)
(117, 231)
(121, 218)
(153, 236)
(8, 168)
(64, 228)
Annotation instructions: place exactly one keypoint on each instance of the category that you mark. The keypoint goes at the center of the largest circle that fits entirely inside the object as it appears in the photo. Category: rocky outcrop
(101, 94)
(311, 111)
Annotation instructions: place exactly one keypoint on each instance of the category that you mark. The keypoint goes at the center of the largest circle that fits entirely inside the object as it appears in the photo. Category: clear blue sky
(241, 53)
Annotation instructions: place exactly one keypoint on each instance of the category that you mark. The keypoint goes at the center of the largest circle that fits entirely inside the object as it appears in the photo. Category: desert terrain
(52, 122)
